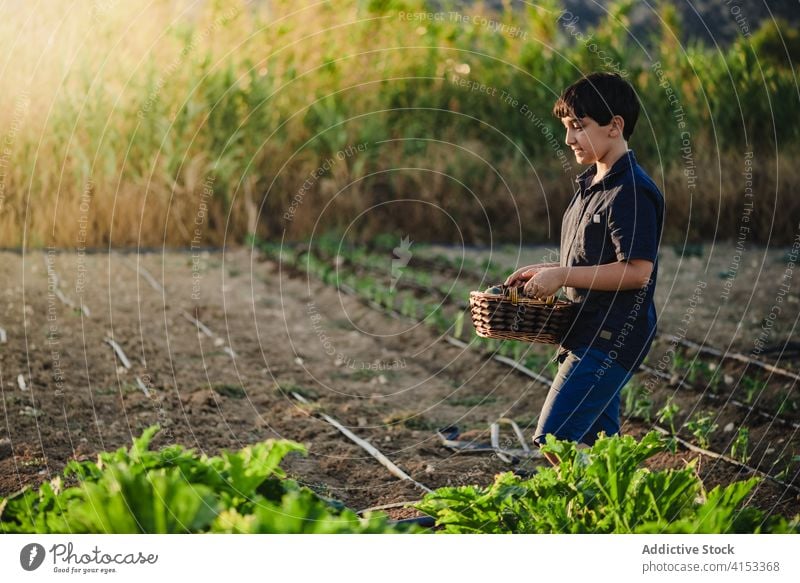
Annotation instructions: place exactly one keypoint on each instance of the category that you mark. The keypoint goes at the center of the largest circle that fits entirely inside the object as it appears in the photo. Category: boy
(608, 264)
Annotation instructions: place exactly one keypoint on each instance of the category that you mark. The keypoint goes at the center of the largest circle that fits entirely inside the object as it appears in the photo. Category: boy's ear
(617, 125)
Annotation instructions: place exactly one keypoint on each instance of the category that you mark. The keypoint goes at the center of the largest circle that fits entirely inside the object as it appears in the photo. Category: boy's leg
(583, 399)
(608, 422)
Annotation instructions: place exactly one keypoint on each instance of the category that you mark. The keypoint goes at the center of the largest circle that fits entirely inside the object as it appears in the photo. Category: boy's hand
(545, 282)
(523, 274)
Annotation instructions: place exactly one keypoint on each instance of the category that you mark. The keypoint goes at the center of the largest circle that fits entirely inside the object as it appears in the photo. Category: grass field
(182, 123)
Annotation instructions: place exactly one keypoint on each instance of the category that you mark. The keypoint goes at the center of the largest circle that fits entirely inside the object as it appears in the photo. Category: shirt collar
(625, 162)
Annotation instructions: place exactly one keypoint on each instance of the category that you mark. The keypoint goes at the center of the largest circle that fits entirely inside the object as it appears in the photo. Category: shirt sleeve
(633, 224)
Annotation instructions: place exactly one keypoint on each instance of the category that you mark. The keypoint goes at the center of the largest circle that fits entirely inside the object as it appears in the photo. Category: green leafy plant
(636, 401)
(458, 325)
(409, 307)
(788, 466)
(752, 388)
(507, 348)
(786, 403)
(411, 420)
(387, 299)
(702, 426)
(741, 445)
(714, 378)
(668, 414)
(696, 368)
(679, 362)
(438, 320)
(602, 489)
(174, 490)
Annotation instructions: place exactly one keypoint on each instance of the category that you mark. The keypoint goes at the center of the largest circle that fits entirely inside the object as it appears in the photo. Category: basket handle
(513, 295)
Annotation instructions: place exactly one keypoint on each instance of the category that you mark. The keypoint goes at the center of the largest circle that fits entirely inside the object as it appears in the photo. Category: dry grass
(192, 123)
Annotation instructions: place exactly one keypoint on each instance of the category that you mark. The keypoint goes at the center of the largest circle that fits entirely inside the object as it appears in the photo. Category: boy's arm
(633, 231)
(633, 226)
(617, 276)
(620, 275)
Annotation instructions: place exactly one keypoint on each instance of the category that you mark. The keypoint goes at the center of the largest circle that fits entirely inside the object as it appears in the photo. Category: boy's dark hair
(600, 96)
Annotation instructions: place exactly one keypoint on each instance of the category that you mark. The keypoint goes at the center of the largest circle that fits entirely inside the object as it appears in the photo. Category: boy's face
(589, 141)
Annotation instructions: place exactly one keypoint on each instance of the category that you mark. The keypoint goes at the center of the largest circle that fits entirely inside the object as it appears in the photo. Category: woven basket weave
(513, 316)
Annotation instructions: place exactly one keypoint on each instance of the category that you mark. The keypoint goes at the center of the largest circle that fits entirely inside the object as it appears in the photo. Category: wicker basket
(512, 316)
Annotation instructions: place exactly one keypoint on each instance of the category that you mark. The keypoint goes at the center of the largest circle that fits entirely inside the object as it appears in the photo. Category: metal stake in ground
(367, 446)
(119, 352)
(143, 272)
(52, 275)
(207, 331)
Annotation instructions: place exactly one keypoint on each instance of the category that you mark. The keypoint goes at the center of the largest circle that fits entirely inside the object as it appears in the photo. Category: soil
(273, 333)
